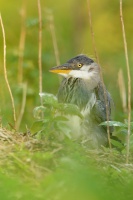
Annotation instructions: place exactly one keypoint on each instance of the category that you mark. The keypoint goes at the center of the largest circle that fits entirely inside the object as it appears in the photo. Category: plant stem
(129, 82)
(40, 49)
(97, 58)
(5, 72)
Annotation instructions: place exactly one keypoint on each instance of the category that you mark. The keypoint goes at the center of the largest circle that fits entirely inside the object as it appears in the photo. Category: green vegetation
(39, 160)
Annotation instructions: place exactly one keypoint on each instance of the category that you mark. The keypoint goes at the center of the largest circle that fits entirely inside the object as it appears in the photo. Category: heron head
(79, 67)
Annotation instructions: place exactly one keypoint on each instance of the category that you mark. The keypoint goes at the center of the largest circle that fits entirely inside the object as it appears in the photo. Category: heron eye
(79, 65)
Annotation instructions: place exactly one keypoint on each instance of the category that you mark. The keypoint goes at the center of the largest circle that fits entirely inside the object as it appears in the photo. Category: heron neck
(76, 91)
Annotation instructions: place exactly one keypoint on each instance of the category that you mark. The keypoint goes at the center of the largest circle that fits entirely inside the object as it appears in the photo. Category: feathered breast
(76, 91)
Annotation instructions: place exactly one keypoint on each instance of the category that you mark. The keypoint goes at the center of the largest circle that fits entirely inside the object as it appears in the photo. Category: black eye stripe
(91, 68)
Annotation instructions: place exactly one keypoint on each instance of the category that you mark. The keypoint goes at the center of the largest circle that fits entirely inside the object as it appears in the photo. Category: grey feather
(92, 105)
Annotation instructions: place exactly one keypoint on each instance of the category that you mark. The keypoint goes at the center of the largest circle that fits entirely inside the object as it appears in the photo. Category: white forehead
(81, 74)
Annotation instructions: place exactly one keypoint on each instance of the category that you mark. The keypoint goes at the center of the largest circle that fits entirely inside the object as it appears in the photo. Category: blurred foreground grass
(39, 169)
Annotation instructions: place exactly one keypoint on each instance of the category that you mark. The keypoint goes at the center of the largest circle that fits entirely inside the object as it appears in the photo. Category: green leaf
(60, 118)
(71, 109)
(113, 123)
(48, 98)
(117, 144)
(38, 112)
(36, 127)
(131, 125)
(122, 131)
(42, 112)
(65, 129)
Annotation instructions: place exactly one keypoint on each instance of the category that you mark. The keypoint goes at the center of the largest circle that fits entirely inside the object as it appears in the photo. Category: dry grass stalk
(129, 82)
(52, 30)
(122, 89)
(5, 72)
(97, 58)
(22, 42)
(22, 107)
(40, 48)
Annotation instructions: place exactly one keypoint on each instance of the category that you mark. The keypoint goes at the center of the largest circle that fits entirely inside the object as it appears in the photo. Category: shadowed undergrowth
(39, 169)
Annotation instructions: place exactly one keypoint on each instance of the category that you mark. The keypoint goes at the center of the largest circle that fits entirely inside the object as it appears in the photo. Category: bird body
(82, 86)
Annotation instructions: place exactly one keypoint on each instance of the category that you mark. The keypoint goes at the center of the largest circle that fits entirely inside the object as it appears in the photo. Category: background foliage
(73, 37)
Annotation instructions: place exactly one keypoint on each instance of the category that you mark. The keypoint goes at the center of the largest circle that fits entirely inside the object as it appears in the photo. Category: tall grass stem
(22, 42)
(5, 71)
(54, 39)
(129, 82)
(102, 81)
(40, 48)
